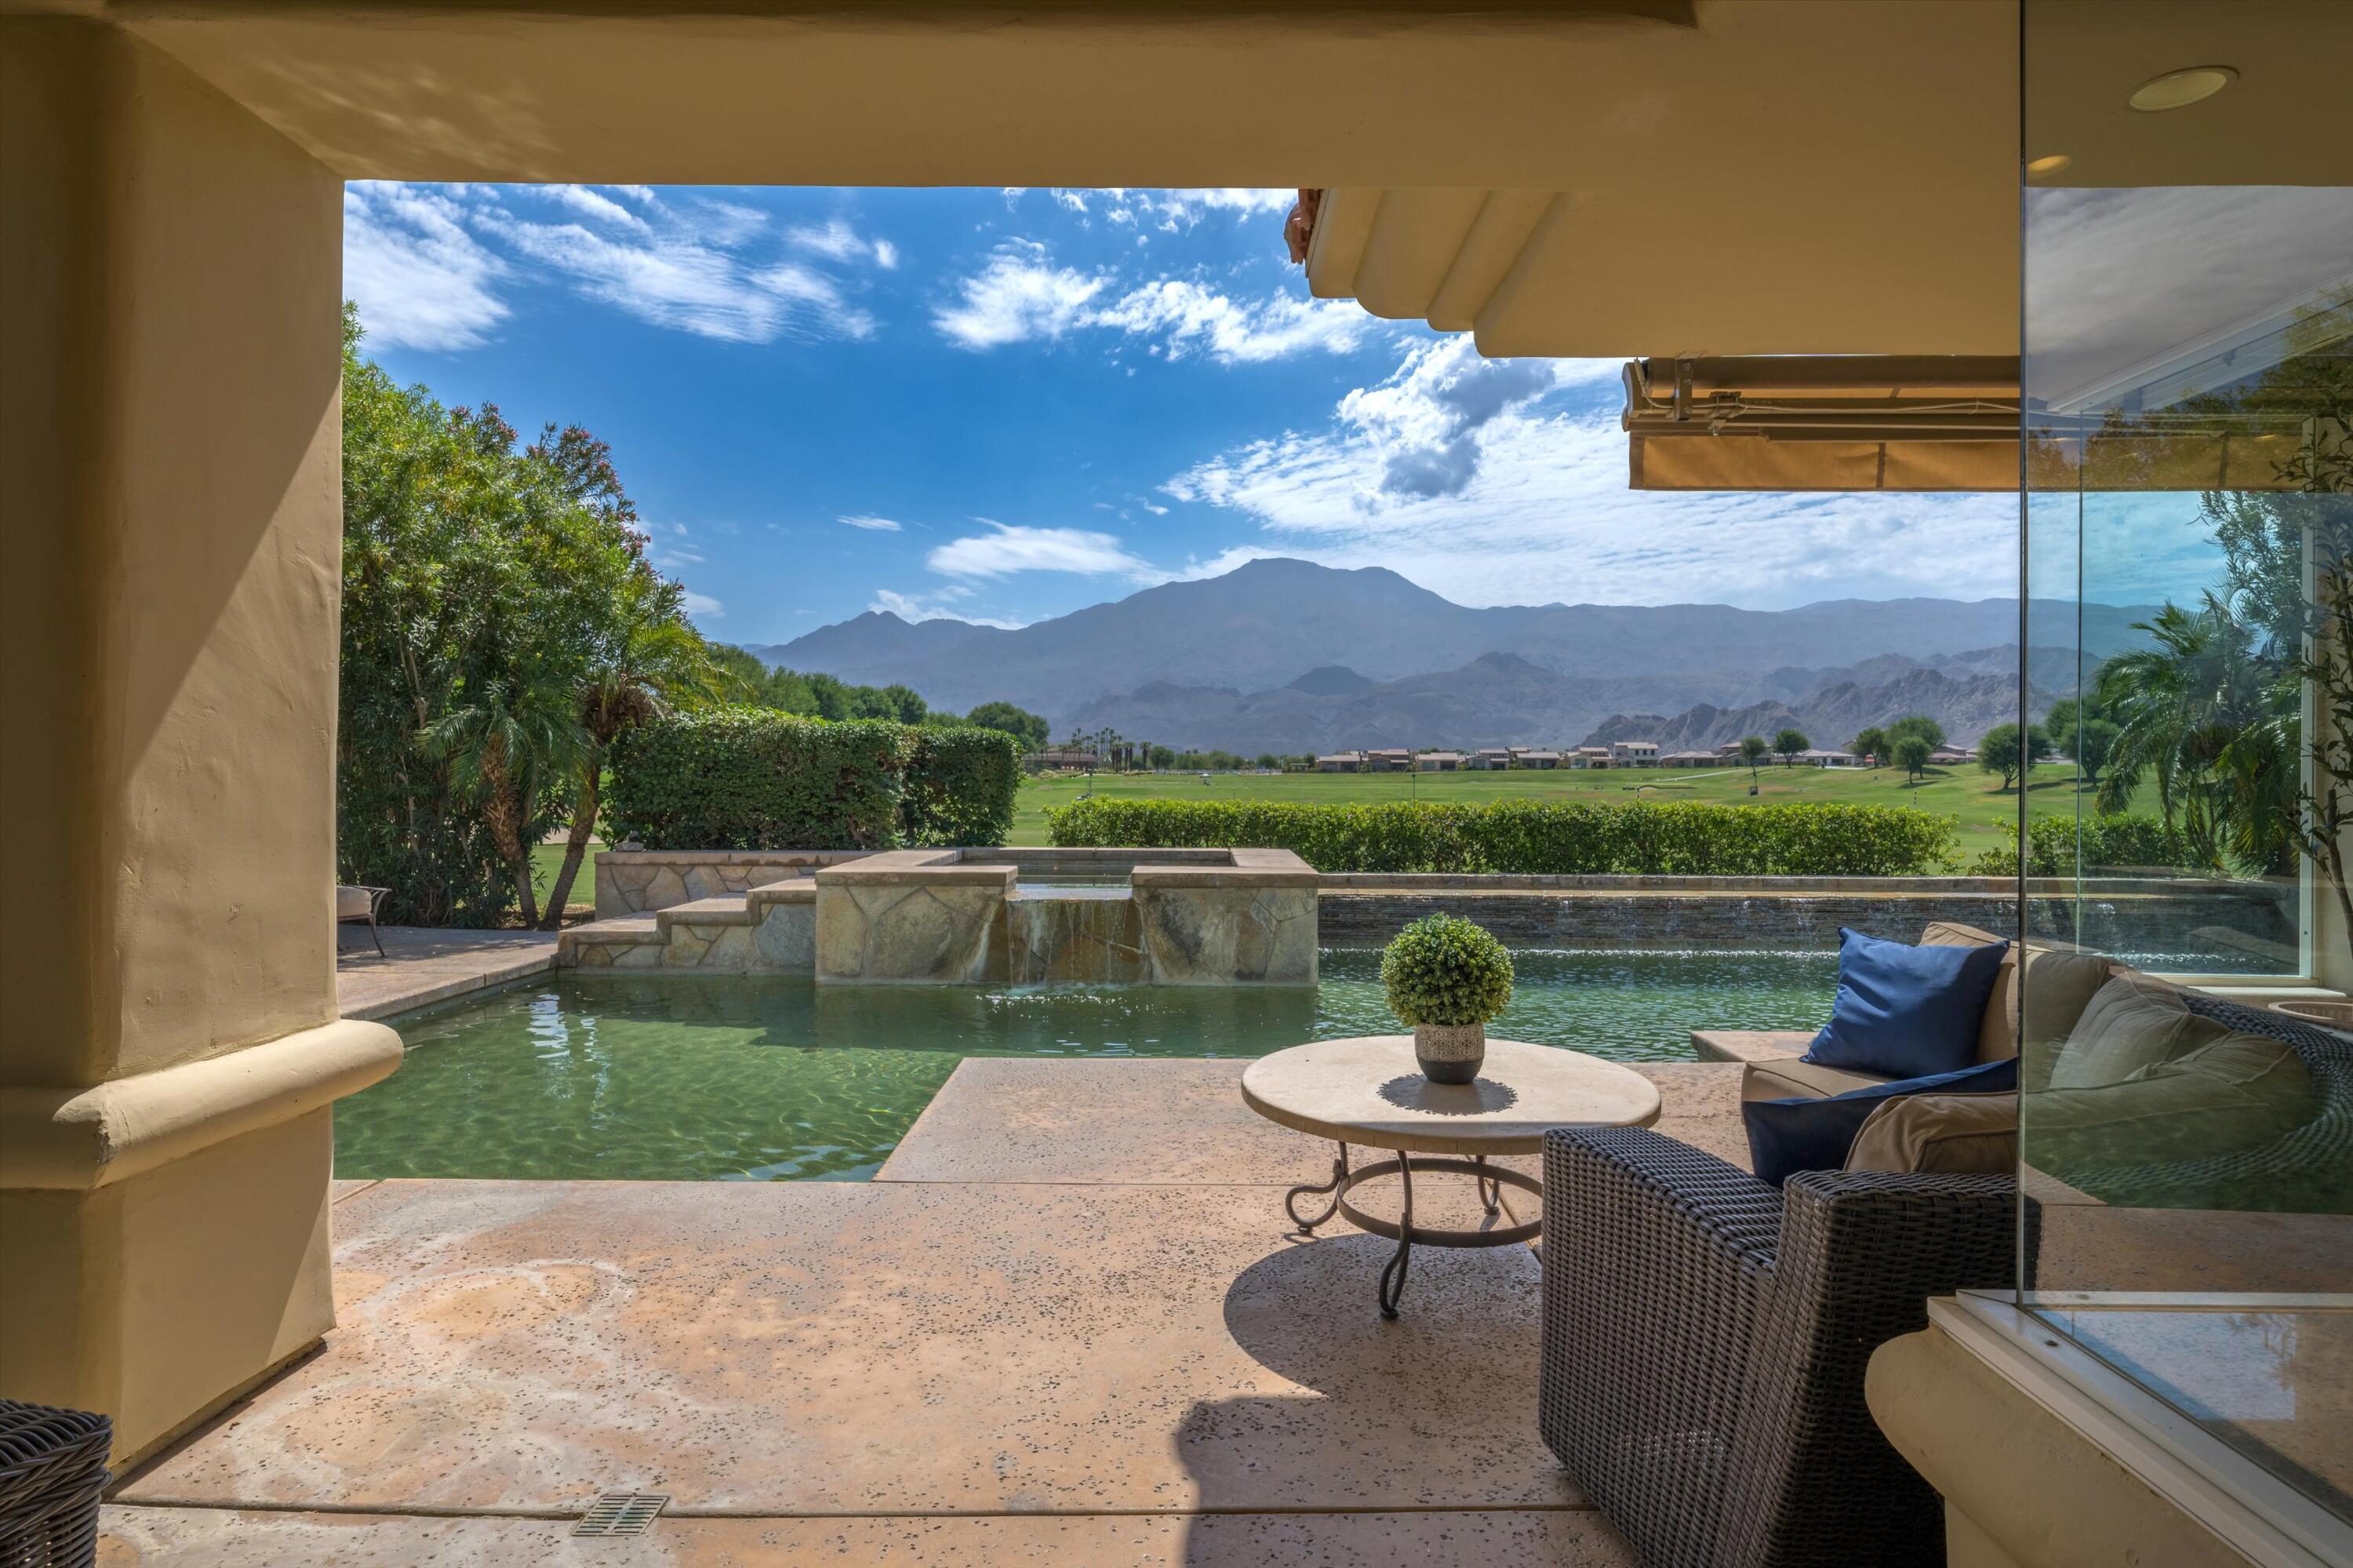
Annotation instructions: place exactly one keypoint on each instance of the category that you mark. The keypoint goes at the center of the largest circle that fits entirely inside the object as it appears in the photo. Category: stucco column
(170, 279)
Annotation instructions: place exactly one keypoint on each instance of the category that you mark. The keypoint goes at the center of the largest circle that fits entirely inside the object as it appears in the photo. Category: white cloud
(934, 606)
(1008, 548)
(422, 261)
(838, 241)
(701, 604)
(1019, 295)
(592, 204)
(873, 525)
(1170, 209)
(1453, 474)
(1187, 317)
(419, 279)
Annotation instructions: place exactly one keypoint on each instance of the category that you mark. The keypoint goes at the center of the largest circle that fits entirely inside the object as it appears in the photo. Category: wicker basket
(52, 1469)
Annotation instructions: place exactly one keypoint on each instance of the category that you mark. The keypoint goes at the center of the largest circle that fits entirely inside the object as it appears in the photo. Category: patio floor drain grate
(621, 1514)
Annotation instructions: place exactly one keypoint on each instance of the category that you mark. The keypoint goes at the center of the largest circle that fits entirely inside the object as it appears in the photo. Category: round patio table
(1370, 1092)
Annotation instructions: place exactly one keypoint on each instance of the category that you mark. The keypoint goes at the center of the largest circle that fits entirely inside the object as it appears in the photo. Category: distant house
(1592, 757)
(1390, 759)
(1729, 751)
(1528, 758)
(1341, 762)
(1635, 753)
(1493, 758)
(1063, 757)
(1950, 756)
(1690, 760)
(1819, 757)
(1438, 762)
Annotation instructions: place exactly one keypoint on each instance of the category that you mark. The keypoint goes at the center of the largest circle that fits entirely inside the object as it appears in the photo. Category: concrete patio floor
(421, 965)
(1066, 1324)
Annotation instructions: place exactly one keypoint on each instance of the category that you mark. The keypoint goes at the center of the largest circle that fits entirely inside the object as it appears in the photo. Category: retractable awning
(1823, 422)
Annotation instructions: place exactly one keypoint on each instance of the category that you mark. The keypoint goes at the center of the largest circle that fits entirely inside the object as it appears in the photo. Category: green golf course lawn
(1976, 799)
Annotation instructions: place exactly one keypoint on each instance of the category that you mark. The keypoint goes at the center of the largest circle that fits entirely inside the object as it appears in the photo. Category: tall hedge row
(1536, 837)
(960, 787)
(2110, 843)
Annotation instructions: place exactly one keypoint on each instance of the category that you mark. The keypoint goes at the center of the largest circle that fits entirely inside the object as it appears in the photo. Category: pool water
(696, 1077)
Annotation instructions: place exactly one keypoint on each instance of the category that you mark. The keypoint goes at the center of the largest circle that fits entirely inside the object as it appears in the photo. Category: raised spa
(1031, 916)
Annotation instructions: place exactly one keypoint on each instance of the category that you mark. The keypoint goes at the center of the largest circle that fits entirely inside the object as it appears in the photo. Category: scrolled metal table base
(1492, 1181)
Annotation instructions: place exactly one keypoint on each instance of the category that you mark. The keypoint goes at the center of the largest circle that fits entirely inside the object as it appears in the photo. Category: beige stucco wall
(170, 284)
(172, 457)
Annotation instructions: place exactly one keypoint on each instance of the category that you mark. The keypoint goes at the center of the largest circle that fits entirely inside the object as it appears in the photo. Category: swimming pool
(695, 1078)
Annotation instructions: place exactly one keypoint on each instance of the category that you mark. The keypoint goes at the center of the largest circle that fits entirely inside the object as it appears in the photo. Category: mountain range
(1284, 655)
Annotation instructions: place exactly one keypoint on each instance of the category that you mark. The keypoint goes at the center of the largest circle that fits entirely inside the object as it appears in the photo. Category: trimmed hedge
(1536, 837)
(960, 787)
(752, 777)
(2109, 843)
(746, 778)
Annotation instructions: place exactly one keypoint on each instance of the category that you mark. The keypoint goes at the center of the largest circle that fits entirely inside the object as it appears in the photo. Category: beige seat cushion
(352, 903)
(1953, 1135)
(2229, 1093)
(1793, 1079)
(2131, 1023)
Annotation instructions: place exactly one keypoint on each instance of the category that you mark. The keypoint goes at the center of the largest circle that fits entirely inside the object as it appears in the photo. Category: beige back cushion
(1998, 1031)
(2232, 1091)
(1952, 1134)
(2131, 1023)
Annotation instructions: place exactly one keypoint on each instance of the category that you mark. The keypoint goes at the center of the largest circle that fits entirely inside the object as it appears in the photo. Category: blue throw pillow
(1786, 1136)
(1903, 1012)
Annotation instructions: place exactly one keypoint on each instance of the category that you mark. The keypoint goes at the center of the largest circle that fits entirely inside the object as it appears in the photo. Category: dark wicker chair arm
(1813, 1480)
(1656, 1259)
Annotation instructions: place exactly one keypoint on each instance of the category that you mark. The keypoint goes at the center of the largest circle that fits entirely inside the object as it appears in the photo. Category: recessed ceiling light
(2044, 168)
(2181, 88)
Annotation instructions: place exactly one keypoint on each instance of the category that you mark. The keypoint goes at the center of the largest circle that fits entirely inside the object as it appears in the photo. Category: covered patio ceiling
(1596, 178)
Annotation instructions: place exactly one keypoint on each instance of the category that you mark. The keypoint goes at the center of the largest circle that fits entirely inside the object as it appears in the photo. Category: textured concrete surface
(791, 1348)
(191, 1538)
(422, 966)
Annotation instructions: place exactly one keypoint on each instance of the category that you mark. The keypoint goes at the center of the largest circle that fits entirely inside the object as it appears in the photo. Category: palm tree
(504, 747)
(2211, 716)
(652, 663)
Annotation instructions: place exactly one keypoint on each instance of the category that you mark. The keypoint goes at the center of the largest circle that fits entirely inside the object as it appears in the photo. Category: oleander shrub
(2116, 843)
(1445, 970)
(960, 787)
(1537, 837)
(746, 778)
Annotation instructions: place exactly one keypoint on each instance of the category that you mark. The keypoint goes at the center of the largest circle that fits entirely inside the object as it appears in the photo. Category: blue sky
(1007, 404)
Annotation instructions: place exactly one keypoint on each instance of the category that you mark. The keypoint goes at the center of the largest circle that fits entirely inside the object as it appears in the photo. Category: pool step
(632, 941)
(728, 909)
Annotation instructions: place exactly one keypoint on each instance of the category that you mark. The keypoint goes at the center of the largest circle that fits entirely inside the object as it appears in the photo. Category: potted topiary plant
(1447, 977)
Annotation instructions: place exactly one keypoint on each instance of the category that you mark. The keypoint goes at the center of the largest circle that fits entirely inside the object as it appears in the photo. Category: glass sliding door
(2187, 1094)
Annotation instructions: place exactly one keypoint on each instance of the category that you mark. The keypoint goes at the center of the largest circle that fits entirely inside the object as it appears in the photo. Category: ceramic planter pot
(1449, 1053)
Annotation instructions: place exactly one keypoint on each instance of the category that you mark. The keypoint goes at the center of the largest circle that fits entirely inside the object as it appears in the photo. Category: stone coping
(1749, 1044)
(1241, 868)
(927, 867)
(800, 890)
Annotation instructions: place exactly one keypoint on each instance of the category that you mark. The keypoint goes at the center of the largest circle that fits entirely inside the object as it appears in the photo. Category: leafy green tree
(1871, 742)
(1753, 751)
(481, 577)
(1164, 757)
(1919, 724)
(1027, 728)
(1911, 752)
(1269, 761)
(1788, 743)
(2002, 750)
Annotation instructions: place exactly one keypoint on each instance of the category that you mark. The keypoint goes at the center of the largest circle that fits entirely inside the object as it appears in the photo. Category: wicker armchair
(52, 1469)
(1704, 1339)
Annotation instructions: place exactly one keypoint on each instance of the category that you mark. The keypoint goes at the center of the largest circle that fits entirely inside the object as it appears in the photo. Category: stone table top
(1369, 1091)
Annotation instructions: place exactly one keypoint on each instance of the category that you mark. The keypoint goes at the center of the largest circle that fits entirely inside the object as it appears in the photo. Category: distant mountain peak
(1331, 681)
